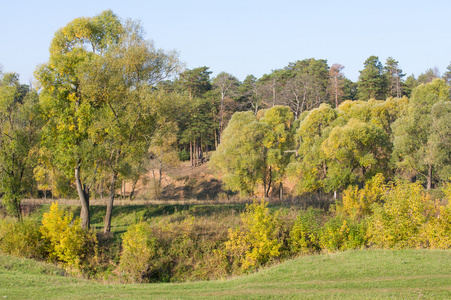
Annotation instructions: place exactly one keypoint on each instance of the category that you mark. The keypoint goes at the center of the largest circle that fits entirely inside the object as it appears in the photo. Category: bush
(437, 232)
(65, 240)
(399, 222)
(255, 243)
(304, 235)
(340, 233)
(22, 239)
(357, 203)
(190, 249)
(184, 155)
(138, 249)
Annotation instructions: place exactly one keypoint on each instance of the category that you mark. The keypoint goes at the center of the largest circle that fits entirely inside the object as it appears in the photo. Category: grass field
(371, 274)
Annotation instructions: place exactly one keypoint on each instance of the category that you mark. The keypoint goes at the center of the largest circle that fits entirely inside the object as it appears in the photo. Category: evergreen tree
(372, 82)
(394, 77)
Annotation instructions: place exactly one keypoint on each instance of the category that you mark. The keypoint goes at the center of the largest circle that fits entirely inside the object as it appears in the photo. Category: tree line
(109, 105)
(329, 149)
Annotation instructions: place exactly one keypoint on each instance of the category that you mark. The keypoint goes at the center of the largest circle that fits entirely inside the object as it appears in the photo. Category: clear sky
(248, 36)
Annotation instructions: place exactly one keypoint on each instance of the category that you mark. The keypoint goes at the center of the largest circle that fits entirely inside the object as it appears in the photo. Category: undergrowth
(172, 243)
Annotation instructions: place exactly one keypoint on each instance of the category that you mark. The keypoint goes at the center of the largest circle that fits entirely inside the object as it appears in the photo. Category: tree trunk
(109, 207)
(221, 112)
(132, 193)
(429, 179)
(194, 154)
(269, 184)
(281, 191)
(191, 160)
(336, 98)
(84, 200)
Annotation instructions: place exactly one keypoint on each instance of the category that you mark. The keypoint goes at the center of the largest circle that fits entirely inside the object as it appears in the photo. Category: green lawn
(402, 274)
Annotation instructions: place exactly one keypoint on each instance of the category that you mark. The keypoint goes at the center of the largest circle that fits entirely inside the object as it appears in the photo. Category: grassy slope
(402, 274)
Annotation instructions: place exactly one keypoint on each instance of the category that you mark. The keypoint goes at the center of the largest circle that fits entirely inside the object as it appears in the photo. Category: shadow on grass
(151, 211)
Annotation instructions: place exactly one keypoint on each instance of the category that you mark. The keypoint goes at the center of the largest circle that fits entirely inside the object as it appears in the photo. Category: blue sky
(248, 37)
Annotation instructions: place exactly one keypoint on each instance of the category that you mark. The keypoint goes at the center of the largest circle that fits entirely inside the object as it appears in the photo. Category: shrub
(65, 240)
(340, 233)
(179, 249)
(437, 231)
(304, 235)
(22, 239)
(356, 203)
(138, 249)
(255, 243)
(183, 155)
(399, 222)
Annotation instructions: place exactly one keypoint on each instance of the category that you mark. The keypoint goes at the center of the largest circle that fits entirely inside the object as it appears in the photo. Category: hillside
(406, 274)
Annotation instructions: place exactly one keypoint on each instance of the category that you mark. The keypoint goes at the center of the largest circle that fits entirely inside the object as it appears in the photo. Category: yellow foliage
(356, 203)
(137, 250)
(21, 239)
(401, 220)
(65, 241)
(255, 243)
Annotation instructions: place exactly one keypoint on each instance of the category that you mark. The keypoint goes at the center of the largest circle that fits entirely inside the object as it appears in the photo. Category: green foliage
(305, 233)
(398, 222)
(356, 152)
(394, 77)
(357, 203)
(252, 150)
(344, 146)
(421, 134)
(65, 240)
(340, 233)
(372, 83)
(179, 249)
(20, 123)
(97, 101)
(138, 250)
(22, 239)
(304, 84)
(256, 241)
(195, 81)
(183, 155)
(308, 168)
(241, 158)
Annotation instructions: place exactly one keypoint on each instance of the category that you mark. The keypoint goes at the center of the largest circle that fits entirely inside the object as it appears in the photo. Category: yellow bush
(356, 203)
(65, 240)
(255, 243)
(340, 233)
(437, 232)
(400, 221)
(22, 239)
(138, 249)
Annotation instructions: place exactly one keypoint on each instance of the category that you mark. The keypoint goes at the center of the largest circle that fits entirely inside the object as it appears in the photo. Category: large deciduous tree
(421, 134)
(305, 86)
(93, 95)
(20, 124)
(69, 112)
(252, 151)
